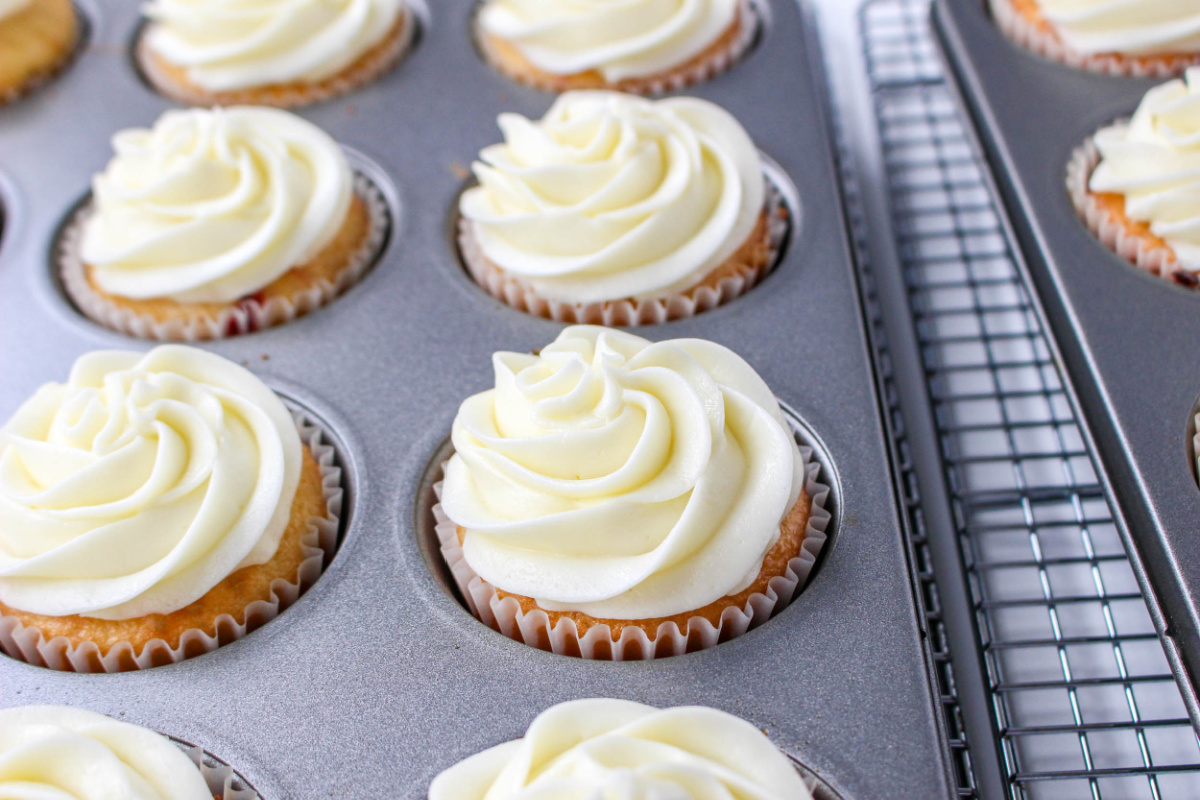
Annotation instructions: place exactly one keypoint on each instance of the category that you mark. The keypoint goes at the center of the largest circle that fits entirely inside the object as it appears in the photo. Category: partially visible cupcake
(1141, 38)
(282, 53)
(155, 506)
(617, 748)
(619, 210)
(640, 46)
(1137, 183)
(215, 223)
(614, 498)
(37, 37)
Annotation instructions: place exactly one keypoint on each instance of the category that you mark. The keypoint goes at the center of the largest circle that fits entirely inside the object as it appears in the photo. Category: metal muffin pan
(1128, 338)
(377, 679)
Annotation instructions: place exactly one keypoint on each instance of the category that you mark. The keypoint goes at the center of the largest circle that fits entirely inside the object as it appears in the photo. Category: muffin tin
(1128, 338)
(377, 679)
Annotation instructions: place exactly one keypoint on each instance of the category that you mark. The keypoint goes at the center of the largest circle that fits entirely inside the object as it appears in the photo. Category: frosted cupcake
(1136, 183)
(153, 507)
(282, 53)
(614, 498)
(215, 223)
(37, 37)
(640, 46)
(61, 752)
(619, 210)
(1119, 37)
(616, 748)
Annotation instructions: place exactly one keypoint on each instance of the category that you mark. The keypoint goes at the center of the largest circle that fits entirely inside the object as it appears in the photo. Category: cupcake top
(60, 752)
(211, 206)
(141, 483)
(10, 7)
(225, 45)
(619, 749)
(621, 478)
(612, 196)
(1154, 161)
(623, 39)
(1132, 27)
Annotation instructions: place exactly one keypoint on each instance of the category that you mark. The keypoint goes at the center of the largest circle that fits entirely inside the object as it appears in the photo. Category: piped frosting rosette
(1138, 38)
(617, 498)
(1136, 184)
(620, 210)
(622, 750)
(131, 492)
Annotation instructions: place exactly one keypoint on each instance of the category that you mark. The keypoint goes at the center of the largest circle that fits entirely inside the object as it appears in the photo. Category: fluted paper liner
(389, 53)
(533, 628)
(223, 781)
(750, 23)
(244, 316)
(515, 291)
(40, 79)
(1106, 227)
(28, 644)
(1048, 45)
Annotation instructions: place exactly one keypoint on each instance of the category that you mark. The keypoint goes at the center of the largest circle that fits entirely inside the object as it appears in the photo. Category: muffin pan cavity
(223, 780)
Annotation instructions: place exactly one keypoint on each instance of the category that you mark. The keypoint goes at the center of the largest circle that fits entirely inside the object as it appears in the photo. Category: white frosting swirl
(225, 45)
(61, 753)
(1154, 161)
(10, 7)
(621, 39)
(620, 478)
(211, 206)
(612, 196)
(619, 750)
(141, 483)
(1132, 27)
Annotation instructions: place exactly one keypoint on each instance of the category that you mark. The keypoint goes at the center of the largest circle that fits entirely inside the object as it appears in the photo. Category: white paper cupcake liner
(533, 628)
(515, 291)
(1108, 228)
(40, 79)
(28, 644)
(223, 781)
(353, 78)
(1048, 45)
(247, 315)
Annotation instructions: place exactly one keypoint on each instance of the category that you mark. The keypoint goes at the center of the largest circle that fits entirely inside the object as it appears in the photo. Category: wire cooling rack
(1079, 698)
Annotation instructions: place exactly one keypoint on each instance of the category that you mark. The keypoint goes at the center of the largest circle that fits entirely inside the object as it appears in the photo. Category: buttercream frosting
(1154, 161)
(10, 7)
(621, 39)
(226, 45)
(62, 753)
(621, 478)
(620, 750)
(611, 196)
(210, 206)
(1133, 27)
(141, 483)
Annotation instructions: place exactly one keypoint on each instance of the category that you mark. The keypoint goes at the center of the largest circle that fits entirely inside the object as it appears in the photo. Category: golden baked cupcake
(617, 748)
(617, 498)
(220, 222)
(283, 53)
(1134, 183)
(154, 506)
(640, 46)
(619, 210)
(1127, 37)
(37, 37)
(59, 752)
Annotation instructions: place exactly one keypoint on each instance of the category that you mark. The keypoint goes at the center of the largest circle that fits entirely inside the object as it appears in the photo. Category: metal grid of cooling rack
(1082, 698)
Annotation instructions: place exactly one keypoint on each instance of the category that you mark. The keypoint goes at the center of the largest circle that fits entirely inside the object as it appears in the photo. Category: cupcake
(155, 506)
(614, 498)
(617, 748)
(63, 752)
(619, 210)
(640, 46)
(1135, 182)
(282, 53)
(37, 37)
(215, 223)
(1118, 37)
